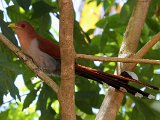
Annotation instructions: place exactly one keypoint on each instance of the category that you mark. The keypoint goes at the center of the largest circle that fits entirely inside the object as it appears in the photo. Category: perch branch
(116, 59)
(29, 63)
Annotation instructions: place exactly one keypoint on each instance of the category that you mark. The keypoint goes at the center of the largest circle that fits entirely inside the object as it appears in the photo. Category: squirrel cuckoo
(46, 56)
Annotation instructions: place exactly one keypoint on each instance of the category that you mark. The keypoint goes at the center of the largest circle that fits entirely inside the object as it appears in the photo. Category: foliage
(15, 112)
(107, 43)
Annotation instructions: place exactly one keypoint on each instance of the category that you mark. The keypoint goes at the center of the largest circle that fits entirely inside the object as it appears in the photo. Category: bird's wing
(49, 47)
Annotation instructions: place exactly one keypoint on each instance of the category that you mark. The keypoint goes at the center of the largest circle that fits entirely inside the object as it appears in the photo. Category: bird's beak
(12, 25)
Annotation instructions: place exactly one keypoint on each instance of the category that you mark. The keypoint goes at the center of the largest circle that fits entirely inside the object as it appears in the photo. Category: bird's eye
(23, 25)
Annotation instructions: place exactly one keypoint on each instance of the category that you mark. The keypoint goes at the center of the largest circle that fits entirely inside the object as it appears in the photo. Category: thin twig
(147, 46)
(116, 59)
(29, 63)
(145, 49)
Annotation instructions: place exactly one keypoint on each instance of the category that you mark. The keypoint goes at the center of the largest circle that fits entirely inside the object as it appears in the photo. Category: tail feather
(118, 82)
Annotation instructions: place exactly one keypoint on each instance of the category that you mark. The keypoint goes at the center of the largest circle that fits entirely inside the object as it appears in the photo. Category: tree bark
(114, 97)
(66, 91)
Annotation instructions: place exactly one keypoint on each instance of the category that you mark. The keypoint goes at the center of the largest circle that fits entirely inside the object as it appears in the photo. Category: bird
(46, 55)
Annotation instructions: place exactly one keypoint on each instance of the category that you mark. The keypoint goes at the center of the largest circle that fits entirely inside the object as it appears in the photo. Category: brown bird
(47, 57)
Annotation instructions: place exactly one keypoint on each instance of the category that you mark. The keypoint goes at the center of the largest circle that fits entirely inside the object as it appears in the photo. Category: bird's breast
(44, 61)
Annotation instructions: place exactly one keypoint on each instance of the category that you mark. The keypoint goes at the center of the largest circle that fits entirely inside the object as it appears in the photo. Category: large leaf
(15, 14)
(29, 99)
(40, 8)
(85, 100)
(49, 114)
(24, 4)
(7, 1)
(81, 42)
(145, 111)
(8, 32)
(8, 73)
(44, 104)
(1, 14)
(153, 24)
(126, 11)
(4, 114)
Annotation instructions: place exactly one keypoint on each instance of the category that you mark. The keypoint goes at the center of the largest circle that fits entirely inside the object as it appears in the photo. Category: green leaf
(80, 43)
(110, 22)
(85, 100)
(1, 14)
(153, 24)
(8, 32)
(94, 46)
(156, 79)
(29, 99)
(44, 27)
(8, 73)
(24, 4)
(152, 8)
(84, 84)
(46, 94)
(127, 11)
(101, 23)
(40, 8)
(50, 114)
(108, 41)
(4, 115)
(15, 3)
(7, 84)
(120, 116)
(15, 14)
(27, 76)
(1, 96)
(144, 110)
(145, 31)
(137, 114)
(153, 54)
(146, 72)
(90, 117)
(7, 1)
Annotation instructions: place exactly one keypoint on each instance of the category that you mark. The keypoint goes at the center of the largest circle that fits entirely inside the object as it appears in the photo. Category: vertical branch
(66, 91)
(113, 99)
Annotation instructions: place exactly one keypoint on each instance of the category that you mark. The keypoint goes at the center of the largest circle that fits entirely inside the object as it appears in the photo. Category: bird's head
(23, 28)
(25, 33)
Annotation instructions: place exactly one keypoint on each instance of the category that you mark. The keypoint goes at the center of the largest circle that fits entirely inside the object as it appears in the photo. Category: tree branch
(114, 98)
(29, 63)
(147, 46)
(66, 91)
(116, 59)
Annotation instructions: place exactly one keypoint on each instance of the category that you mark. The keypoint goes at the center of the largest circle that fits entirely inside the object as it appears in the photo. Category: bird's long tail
(118, 82)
